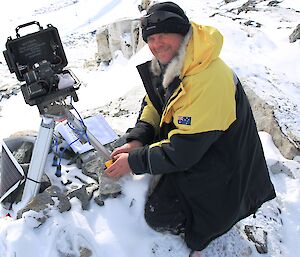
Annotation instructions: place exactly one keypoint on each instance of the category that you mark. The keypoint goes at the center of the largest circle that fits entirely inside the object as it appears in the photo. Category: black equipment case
(41, 48)
(23, 52)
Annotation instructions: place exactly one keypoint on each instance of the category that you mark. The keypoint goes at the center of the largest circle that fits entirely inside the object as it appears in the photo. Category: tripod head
(38, 59)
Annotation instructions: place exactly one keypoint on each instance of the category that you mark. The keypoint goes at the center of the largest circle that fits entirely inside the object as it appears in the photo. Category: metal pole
(38, 159)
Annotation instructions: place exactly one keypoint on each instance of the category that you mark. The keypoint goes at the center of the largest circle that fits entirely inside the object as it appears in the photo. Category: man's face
(164, 46)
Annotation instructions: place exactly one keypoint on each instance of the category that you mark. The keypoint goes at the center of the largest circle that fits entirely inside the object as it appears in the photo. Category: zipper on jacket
(157, 90)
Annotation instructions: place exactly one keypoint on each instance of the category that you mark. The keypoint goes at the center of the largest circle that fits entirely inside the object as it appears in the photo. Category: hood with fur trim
(199, 48)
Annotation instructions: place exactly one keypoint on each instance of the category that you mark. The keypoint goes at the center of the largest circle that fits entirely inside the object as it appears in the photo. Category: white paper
(97, 125)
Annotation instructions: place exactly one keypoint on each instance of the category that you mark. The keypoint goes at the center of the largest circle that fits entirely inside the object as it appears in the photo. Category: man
(197, 130)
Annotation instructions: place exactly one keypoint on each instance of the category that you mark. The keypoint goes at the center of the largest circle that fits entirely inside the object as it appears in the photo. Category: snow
(262, 56)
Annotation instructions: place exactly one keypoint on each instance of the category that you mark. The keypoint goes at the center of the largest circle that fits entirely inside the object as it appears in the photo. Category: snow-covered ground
(261, 55)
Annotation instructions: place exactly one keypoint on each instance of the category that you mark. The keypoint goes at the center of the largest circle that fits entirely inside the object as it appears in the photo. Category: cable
(80, 133)
(82, 122)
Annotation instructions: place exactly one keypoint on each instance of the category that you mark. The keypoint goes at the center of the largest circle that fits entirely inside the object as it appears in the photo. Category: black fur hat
(165, 17)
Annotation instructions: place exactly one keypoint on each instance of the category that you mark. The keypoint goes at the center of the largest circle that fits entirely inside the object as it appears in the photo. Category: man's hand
(119, 167)
(126, 148)
(119, 156)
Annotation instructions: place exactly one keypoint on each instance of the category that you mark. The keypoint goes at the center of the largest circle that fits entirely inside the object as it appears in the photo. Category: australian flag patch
(184, 120)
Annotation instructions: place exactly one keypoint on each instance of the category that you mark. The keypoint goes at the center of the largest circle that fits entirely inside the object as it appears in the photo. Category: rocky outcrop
(266, 121)
(123, 35)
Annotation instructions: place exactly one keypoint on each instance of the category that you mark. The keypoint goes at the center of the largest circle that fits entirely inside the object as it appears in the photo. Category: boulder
(122, 35)
(266, 121)
(295, 34)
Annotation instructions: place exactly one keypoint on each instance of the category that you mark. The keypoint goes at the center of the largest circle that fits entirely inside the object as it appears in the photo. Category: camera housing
(38, 59)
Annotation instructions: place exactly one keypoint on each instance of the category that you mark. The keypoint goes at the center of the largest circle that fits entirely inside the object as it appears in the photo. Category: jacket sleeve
(146, 128)
(179, 154)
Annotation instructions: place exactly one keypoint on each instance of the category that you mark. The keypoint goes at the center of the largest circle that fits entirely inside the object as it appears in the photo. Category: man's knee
(164, 219)
(151, 216)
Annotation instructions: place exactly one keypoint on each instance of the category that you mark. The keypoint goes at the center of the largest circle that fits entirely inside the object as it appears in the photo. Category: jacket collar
(174, 67)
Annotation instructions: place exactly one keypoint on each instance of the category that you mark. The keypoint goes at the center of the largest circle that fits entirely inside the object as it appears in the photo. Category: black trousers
(163, 210)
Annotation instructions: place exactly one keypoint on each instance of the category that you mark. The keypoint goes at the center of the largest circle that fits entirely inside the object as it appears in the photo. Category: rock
(108, 187)
(7, 90)
(99, 200)
(104, 53)
(265, 120)
(25, 134)
(84, 194)
(144, 5)
(45, 182)
(91, 188)
(230, 244)
(42, 202)
(273, 3)
(66, 153)
(85, 252)
(259, 237)
(63, 201)
(253, 24)
(119, 142)
(34, 219)
(123, 35)
(280, 167)
(295, 35)
(86, 158)
(247, 7)
(15, 91)
(6, 96)
(37, 204)
(24, 152)
(91, 168)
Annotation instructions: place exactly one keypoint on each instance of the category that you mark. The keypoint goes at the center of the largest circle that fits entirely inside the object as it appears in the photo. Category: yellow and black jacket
(199, 132)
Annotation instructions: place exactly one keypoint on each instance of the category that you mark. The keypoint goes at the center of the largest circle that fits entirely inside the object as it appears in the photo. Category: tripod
(52, 113)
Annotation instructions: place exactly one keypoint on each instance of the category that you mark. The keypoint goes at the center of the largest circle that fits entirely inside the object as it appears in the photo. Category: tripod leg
(38, 159)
